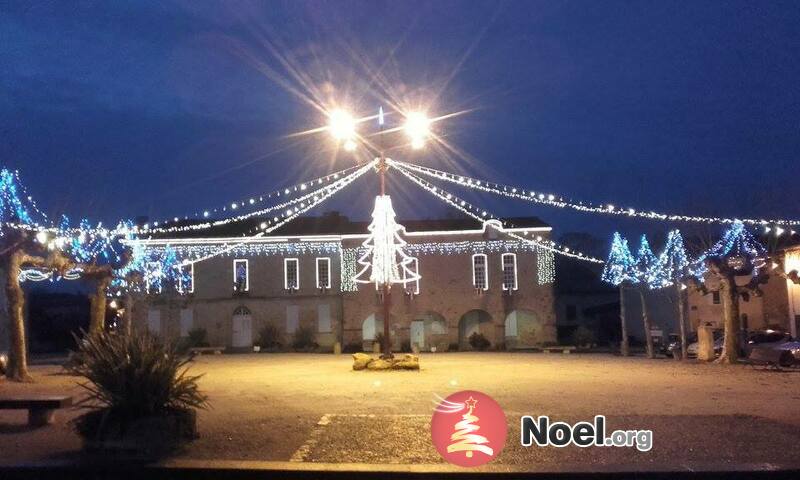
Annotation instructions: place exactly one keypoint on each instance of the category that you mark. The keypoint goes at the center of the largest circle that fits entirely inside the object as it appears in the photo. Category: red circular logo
(468, 428)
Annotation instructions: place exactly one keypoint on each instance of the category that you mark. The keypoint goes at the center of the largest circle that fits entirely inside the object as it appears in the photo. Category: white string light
(157, 227)
(471, 210)
(288, 215)
(560, 202)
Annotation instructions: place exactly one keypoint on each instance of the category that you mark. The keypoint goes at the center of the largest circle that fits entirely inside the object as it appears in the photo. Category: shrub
(582, 336)
(352, 347)
(304, 339)
(378, 339)
(405, 346)
(453, 347)
(198, 337)
(131, 377)
(269, 337)
(478, 342)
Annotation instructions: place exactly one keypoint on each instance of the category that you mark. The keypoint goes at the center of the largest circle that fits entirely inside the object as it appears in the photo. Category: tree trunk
(97, 321)
(647, 334)
(730, 307)
(127, 318)
(18, 355)
(624, 350)
(682, 322)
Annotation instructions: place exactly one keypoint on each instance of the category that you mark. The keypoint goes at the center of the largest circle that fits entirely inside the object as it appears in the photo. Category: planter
(153, 435)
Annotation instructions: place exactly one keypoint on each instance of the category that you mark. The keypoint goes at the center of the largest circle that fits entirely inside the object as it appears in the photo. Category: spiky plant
(135, 376)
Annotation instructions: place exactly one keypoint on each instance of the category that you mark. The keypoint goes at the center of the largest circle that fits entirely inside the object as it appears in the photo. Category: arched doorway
(523, 328)
(474, 321)
(242, 328)
(372, 328)
(429, 330)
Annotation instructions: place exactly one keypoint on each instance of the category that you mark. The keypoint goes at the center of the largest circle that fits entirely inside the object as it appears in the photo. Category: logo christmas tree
(464, 439)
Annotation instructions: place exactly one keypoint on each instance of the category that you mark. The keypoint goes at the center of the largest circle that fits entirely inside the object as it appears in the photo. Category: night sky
(119, 109)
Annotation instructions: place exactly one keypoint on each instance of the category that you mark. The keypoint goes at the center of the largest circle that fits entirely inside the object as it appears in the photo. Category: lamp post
(343, 128)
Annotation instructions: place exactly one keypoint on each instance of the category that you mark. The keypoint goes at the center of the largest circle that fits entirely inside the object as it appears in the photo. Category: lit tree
(99, 254)
(736, 254)
(672, 270)
(22, 246)
(645, 267)
(619, 270)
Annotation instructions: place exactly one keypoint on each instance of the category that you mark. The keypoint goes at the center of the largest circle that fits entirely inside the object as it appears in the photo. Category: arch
(428, 330)
(474, 321)
(523, 328)
(370, 327)
(242, 310)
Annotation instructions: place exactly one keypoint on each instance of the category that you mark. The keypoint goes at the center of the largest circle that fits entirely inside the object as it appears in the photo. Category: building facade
(473, 278)
(778, 308)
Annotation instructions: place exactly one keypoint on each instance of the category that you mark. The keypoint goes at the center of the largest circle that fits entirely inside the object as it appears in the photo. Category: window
(153, 277)
(410, 283)
(187, 321)
(324, 318)
(241, 276)
(186, 280)
(292, 318)
(324, 272)
(480, 276)
(291, 273)
(715, 298)
(509, 271)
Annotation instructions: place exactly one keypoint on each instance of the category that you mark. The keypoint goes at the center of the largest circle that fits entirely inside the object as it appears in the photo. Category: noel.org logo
(468, 428)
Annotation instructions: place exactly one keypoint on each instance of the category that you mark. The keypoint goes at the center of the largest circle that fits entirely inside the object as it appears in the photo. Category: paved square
(313, 408)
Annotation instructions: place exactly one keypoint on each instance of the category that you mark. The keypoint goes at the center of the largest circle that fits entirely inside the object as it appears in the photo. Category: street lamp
(342, 127)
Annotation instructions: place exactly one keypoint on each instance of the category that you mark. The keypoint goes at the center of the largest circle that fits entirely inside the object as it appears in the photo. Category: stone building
(474, 278)
(777, 308)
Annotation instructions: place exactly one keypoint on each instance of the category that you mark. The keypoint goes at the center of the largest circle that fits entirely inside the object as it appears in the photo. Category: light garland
(620, 266)
(471, 210)
(16, 206)
(736, 242)
(646, 261)
(673, 263)
(298, 188)
(290, 214)
(590, 207)
(251, 249)
(349, 259)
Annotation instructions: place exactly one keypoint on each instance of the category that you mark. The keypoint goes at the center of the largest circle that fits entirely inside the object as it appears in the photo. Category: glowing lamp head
(41, 237)
(341, 125)
(417, 127)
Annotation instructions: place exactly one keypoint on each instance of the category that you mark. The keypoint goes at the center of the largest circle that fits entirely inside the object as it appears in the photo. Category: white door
(418, 333)
(154, 321)
(242, 330)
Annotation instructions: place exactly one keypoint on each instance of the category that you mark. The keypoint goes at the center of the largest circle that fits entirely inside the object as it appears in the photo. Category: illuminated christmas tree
(384, 261)
(464, 438)
(620, 270)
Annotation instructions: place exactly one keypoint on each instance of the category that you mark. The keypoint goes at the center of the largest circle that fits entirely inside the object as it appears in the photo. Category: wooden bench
(41, 408)
(201, 350)
(564, 350)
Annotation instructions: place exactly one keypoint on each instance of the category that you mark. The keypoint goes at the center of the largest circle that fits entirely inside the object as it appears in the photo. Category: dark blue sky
(119, 109)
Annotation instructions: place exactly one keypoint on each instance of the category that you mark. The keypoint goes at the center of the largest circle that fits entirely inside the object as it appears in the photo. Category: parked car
(785, 352)
(691, 349)
(765, 338)
(769, 338)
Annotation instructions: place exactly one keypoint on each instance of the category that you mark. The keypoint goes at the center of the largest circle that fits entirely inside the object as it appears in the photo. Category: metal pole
(385, 288)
